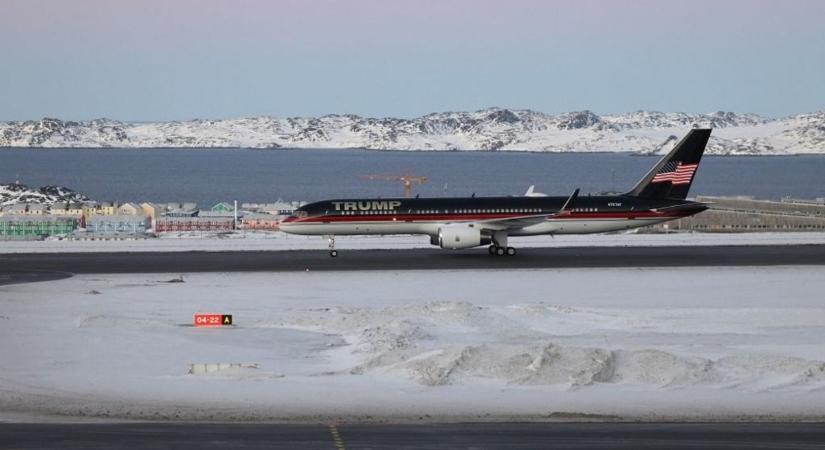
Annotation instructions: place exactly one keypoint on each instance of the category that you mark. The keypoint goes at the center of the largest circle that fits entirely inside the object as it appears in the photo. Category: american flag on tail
(675, 172)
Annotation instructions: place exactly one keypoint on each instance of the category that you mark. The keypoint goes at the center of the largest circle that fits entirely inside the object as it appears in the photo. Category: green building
(36, 226)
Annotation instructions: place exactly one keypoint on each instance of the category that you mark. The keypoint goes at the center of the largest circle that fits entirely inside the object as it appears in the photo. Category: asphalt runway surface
(412, 259)
(423, 436)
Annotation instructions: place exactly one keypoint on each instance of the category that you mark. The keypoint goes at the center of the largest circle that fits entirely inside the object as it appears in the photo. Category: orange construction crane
(405, 179)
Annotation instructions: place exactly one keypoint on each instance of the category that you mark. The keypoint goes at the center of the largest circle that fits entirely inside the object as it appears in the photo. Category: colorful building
(118, 224)
(34, 227)
(129, 209)
(66, 209)
(223, 207)
(254, 221)
(166, 223)
(186, 209)
(17, 209)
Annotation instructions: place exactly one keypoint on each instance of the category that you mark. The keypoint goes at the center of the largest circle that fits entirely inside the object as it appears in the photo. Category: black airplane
(466, 222)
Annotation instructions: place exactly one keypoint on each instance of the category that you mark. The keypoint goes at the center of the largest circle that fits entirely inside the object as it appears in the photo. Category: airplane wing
(682, 206)
(526, 221)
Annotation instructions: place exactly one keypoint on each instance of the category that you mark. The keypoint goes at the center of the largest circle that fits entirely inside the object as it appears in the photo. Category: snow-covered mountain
(488, 129)
(46, 195)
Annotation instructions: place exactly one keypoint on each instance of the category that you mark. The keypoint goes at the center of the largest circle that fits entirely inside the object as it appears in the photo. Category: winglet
(569, 202)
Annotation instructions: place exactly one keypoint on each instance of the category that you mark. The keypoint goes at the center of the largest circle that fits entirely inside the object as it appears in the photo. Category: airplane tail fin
(672, 176)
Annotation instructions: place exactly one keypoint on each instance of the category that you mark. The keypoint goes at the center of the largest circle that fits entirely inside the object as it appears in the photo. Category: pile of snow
(497, 345)
(420, 343)
(487, 129)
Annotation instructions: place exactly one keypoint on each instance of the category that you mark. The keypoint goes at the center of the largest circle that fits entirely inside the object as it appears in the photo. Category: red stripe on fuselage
(626, 215)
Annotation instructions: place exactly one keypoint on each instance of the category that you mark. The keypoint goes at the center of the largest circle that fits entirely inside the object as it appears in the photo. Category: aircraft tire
(501, 251)
(511, 251)
(491, 249)
(333, 253)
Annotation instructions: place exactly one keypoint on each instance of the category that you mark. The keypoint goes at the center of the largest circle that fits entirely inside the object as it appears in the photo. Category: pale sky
(185, 59)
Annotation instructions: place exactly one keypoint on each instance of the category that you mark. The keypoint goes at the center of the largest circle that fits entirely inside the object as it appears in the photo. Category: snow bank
(695, 343)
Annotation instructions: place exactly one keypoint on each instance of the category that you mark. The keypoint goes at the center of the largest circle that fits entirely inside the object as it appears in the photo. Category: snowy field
(649, 344)
(180, 242)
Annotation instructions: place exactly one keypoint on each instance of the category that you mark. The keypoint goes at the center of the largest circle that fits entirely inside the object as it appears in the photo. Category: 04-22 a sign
(211, 320)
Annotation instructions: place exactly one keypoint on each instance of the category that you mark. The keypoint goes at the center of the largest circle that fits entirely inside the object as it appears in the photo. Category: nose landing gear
(332, 252)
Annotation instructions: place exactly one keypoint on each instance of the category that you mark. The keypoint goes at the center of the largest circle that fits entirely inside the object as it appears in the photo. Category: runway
(413, 259)
(419, 436)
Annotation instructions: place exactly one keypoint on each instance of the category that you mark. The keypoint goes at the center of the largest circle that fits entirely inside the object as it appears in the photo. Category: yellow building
(35, 209)
(58, 209)
(129, 209)
(99, 209)
(89, 210)
(152, 210)
(66, 209)
(74, 209)
(107, 208)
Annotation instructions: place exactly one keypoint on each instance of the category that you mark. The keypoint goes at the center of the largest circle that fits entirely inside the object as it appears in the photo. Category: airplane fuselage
(589, 214)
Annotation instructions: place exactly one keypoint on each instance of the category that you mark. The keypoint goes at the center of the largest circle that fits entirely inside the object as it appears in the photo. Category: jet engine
(454, 237)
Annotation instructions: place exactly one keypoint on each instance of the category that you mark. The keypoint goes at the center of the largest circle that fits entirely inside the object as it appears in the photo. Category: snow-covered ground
(687, 343)
(180, 242)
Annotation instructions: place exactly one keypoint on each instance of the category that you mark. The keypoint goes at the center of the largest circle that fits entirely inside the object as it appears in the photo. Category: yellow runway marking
(336, 437)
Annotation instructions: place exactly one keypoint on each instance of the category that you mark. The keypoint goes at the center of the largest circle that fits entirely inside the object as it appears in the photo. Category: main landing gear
(501, 251)
(332, 252)
(499, 246)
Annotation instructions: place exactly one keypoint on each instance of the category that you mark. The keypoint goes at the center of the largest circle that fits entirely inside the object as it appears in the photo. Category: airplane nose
(288, 223)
